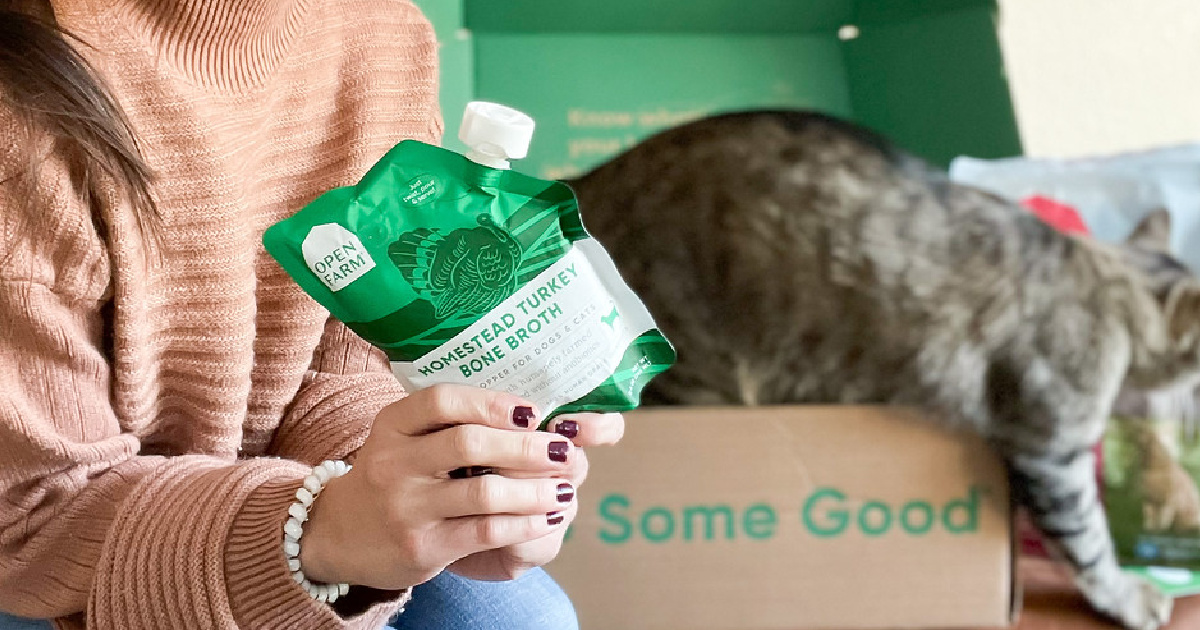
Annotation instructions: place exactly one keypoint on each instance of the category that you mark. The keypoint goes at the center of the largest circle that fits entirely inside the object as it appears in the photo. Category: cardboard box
(790, 518)
(599, 76)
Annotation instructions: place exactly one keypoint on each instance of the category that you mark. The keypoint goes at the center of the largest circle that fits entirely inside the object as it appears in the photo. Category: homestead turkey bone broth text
(463, 271)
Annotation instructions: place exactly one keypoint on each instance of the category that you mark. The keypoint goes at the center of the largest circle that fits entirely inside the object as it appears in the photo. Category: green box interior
(597, 76)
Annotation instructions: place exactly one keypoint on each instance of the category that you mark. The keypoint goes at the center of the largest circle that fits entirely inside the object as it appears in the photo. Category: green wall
(599, 76)
(456, 55)
(593, 95)
(934, 84)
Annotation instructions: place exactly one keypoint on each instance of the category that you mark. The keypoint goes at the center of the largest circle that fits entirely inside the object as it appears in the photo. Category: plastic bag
(1111, 193)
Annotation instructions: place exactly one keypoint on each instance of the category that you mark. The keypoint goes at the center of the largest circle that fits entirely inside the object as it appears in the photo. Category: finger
(576, 470)
(510, 562)
(590, 429)
(473, 534)
(440, 406)
(470, 445)
(562, 520)
(494, 494)
(466, 472)
(542, 550)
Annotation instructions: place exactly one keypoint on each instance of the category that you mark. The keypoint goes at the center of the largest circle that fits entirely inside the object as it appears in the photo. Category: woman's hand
(398, 518)
(511, 561)
(590, 429)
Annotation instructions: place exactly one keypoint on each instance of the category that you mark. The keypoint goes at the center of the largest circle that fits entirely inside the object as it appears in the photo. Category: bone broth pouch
(464, 271)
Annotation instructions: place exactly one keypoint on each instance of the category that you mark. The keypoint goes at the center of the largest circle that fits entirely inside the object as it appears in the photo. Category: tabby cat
(796, 258)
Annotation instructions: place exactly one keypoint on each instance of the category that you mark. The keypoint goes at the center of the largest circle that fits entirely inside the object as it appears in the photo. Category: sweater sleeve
(87, 523)
(347, 385)
(140, 541)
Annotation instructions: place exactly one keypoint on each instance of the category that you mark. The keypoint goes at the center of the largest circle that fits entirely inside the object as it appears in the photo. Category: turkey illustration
(466, 272)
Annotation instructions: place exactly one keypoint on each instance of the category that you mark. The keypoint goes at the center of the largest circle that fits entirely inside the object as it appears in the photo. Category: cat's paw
(1140, 605)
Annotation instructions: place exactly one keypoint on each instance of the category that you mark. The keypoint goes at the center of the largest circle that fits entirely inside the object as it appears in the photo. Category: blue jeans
(448, 602)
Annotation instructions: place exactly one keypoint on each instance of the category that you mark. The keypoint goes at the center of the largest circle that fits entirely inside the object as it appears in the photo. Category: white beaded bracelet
(293, 530)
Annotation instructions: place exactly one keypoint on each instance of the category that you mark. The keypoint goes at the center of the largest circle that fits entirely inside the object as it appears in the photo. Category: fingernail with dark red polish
(554, 518)
(522, 416)
(566, 492)
(558, 451)
(567, 428)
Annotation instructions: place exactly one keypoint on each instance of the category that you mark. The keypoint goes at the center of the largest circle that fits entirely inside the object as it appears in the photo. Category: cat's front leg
(1059, 488)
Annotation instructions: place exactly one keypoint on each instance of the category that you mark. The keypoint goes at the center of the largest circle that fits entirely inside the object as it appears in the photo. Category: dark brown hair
(47, 82)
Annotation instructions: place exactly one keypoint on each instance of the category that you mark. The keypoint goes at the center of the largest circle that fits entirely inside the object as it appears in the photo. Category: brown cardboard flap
(790, 518)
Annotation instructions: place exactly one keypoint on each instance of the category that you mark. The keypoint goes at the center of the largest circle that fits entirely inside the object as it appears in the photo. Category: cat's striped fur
(795, 258)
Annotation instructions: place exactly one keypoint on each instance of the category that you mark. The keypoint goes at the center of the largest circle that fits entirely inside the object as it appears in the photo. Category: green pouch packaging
(465, 272)
(1151, 467)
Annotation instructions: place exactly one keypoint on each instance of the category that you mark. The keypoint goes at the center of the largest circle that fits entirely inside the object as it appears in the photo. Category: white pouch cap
(495, 133)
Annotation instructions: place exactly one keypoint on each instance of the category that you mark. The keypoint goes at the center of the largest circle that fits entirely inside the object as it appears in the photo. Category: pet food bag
(1111, 193)
(1151, 469)
(464, 271)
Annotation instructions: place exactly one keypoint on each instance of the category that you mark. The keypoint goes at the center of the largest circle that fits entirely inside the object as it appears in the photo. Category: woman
(165, 389)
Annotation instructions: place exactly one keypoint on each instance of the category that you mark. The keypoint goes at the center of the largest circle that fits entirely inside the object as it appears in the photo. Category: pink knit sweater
(137, 394)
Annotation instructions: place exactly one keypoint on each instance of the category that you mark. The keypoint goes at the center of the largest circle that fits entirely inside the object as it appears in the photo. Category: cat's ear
(1153, 232)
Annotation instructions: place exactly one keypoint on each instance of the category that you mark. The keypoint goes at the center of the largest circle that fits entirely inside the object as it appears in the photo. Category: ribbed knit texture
(136, 392)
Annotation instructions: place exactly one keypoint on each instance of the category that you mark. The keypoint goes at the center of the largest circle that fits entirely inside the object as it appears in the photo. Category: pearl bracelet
(293, 530)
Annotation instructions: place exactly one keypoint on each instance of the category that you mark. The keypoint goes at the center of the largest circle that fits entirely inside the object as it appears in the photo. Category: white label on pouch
(552, 341)
(335, 255)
